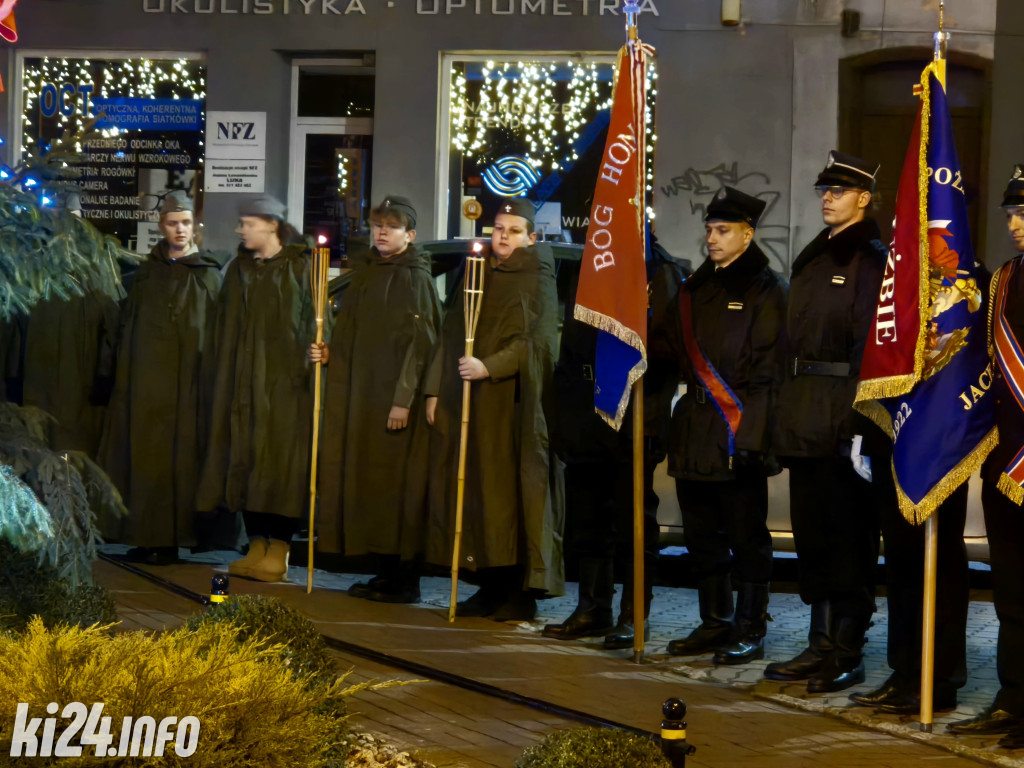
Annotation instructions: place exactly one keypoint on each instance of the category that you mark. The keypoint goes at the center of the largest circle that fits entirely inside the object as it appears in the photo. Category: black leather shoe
(704, 639)
(910, 703)
(741, 651)
(363, 588)
(801, 667)
(581, 623)
(484, 603)
(622, 636)
(989, 720)
(1013, 740)
(830, 679)
(520, 606)
(388, 591)
(891, 690)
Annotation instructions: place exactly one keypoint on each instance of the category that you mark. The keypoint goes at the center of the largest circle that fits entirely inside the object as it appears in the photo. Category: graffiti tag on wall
(697, 188)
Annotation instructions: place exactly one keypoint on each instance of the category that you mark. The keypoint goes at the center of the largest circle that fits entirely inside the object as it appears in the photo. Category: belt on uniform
(700, 394)
(803, 367)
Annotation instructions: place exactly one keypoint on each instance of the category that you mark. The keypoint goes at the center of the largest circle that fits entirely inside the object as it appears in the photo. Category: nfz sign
(236, 135)
(237, 131)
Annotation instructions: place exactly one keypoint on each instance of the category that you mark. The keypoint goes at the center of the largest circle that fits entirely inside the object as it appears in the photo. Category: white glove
(861, 464)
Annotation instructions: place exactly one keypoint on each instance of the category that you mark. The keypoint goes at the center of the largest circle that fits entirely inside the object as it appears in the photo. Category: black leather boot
(593, 614)
(624, 634)
(810, 659)
(716, 607)
(843, 667)
(746, 643)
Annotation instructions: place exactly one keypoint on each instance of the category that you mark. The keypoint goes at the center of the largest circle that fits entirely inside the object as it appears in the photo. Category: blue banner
(130, 114)
(943, 429)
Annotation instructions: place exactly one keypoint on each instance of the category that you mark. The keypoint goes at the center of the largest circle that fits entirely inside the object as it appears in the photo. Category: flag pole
(631, 8)
(931, 526)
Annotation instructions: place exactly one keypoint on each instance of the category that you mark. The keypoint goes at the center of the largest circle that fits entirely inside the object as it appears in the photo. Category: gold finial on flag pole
(941, 40)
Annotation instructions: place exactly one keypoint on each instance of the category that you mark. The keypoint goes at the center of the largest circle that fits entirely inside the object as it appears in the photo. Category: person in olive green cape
(61, 360)
(375, 439)
(513, 517)
(154, 433)
(258, 454)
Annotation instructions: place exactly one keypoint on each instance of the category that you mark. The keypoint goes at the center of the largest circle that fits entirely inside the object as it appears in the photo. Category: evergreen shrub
(301, 647)
(29, 588)
(253, 710)
(594, 748)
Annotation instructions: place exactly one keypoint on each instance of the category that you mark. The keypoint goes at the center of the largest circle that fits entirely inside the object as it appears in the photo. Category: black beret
(843, 170)
(732, 205)
(265, 206)
(518, 206)
(399, 203)
(1013, 197)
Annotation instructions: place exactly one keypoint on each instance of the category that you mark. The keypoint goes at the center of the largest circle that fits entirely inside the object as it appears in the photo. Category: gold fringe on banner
(924, 303)
(1010, 489)
(875, 389)
(916, 514)
(627, 336)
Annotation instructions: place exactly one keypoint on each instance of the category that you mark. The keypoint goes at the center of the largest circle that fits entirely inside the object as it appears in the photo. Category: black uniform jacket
(1009, 416)
(833, 294)
(579, 434)
(738, 317)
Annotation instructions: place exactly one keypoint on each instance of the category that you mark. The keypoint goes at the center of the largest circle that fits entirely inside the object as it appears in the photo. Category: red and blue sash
(726, 403)
(1010, 360)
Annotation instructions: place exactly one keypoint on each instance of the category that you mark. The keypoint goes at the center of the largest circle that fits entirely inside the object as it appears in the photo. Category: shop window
(533, 127)
(147, 141)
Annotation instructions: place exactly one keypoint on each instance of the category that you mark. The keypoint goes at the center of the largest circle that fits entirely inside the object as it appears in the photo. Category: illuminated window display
(533, 128)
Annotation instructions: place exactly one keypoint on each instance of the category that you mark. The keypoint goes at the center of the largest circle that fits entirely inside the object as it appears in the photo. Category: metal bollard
(219, 589)
(673, 733)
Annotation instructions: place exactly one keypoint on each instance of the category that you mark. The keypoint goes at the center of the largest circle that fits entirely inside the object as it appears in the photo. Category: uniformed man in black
(724, 337)
(599, 473)
(1001, 498)
(820, 438)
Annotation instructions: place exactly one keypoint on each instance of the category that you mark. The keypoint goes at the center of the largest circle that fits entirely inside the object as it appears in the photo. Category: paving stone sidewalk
(674, 613)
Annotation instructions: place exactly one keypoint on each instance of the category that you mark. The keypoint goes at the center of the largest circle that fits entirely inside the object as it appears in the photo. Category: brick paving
(736, 718)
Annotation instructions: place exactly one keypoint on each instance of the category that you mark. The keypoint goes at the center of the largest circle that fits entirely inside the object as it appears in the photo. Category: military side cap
(519, 206)
(732, 205)
(1013, 197)
(265, 206)
(177, 201)
(399, 203)
(843, 170)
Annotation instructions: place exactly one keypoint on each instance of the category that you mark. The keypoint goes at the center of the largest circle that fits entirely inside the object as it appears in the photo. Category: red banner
(612, 293)
(892, 358)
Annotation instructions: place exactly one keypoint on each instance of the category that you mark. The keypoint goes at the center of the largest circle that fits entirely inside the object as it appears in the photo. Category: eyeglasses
(835, 192)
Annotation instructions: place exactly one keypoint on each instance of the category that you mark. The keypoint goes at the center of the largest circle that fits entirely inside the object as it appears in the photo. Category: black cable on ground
(422, 670)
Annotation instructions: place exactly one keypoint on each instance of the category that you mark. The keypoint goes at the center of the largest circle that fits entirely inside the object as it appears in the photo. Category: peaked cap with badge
(518, 206)
(1013, 197)
(842, 170)
(730, 204)
(400, 204)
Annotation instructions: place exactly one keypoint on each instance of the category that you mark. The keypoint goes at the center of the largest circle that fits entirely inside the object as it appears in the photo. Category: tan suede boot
(257, 552)
(273, 567)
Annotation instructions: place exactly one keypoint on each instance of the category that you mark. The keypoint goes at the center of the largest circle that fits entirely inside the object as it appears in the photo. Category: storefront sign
(497, 8)
(149, 114)
(236, 175)
(236, 135)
